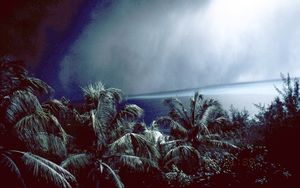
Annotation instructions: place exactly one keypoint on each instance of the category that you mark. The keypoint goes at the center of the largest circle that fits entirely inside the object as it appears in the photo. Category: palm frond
(154, 136)
(220, 120)
(134, 144)
(64, 173)
(120, 128)
(41, 170)
(217, 143)
(98, 131)
(36, 86)
(104, 172)
(176, 129)
(130, 111)
(22, 103)
(7, 165)
(39, 122)
(42, 131)
(106, 110)
(204, 105)
(184, 152)
(55, 107)
(124, 121)
(93, 90)
(75, 163)
(45, 170)
(116, 94)
(176, 143)
(186, 158)
(166, 146)
(177, 111)
(195, 105)
(45, 144)
(137, 164)
(205, 118)
(116, 178)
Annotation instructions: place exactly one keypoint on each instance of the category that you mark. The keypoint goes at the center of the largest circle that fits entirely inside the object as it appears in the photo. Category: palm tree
(115, 145)
(92, 94)
(32, 128)
(131, 152)
(22, 114)
(193, 125)
(25, 126)
(190, 132)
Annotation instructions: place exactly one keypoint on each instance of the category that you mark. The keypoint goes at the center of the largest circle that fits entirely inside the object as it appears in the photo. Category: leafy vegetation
(104, 142)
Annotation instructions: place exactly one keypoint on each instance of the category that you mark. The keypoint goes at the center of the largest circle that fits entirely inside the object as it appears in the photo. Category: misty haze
(157, 45)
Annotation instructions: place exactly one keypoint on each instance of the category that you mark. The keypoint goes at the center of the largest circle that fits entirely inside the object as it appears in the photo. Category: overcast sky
(157, 45)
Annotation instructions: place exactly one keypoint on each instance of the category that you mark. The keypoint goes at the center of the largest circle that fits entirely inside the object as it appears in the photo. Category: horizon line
(206, 87)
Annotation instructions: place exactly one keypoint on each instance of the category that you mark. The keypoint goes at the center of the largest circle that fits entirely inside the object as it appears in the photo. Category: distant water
(240, 95)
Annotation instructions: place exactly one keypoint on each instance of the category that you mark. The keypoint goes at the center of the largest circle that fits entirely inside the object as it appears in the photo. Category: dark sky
(39, 32)
(145, 46)
(31, 29)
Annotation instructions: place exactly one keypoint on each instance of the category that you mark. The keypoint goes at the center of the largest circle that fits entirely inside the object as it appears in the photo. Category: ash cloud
(149, 46)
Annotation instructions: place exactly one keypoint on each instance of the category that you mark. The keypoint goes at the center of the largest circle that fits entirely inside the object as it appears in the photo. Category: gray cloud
(148, 46)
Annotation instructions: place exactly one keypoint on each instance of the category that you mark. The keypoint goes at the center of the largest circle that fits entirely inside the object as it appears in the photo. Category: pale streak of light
(255, 88)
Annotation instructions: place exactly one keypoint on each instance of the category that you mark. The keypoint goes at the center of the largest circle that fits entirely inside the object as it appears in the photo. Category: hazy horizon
(241, 96)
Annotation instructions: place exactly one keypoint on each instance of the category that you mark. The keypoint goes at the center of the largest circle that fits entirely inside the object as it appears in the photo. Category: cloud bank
(148, 46)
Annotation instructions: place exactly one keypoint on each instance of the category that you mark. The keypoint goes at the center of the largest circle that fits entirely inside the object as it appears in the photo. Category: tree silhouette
(193, 125)
(115, 146)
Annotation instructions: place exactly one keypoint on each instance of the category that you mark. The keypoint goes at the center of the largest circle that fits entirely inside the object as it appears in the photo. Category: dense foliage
(104, 142)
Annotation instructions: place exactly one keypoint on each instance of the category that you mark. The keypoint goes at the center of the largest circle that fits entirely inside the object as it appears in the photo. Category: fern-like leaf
(75, 163)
